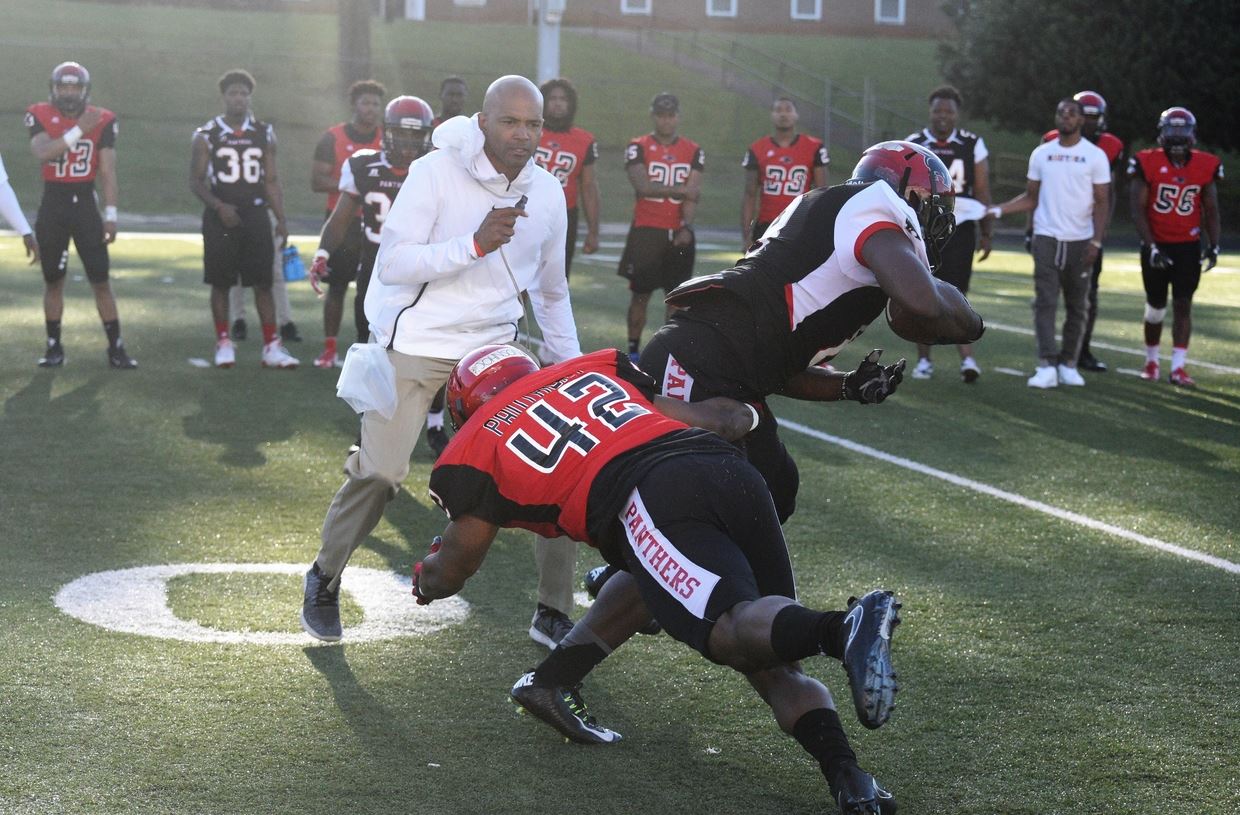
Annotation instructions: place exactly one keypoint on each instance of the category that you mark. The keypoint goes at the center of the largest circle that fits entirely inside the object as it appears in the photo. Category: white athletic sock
(1151, 353)
(1178, 355)
(434, 421)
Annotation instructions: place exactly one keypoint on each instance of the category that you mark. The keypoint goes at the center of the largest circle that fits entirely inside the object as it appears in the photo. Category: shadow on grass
(241, 421)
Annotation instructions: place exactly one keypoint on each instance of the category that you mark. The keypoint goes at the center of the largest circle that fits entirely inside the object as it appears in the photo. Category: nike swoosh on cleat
(854, 619)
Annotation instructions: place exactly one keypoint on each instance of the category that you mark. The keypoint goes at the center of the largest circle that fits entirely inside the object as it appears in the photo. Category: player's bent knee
(1154, 316)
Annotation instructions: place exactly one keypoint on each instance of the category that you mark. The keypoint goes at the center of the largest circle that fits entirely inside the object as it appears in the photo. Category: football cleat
(239, 330)
(563, 709)
(1150, 372)
(867, 656)
(859, 793)
(969, 370)
(289, 332)
(924, 369)
(320, 607)
(549, 626)
(1089, 362)
(327, 359)
(54, 356)
(437, 438)
(120, 360)
(274, 356)
(225, 354)
(1180, 377)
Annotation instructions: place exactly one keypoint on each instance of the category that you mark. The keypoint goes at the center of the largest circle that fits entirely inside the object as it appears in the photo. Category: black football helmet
(406, 130)
(921, 179)
(1177, 132)
(69, 73)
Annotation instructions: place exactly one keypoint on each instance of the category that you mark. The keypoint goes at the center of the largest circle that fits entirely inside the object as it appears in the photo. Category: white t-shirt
(1066, 197)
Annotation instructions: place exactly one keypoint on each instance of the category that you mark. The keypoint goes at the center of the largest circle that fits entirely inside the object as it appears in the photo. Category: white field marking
(1129, 371)
(199, 362)
(1139, 352)
(1008, 371)
(1019, 500)
(135, 601)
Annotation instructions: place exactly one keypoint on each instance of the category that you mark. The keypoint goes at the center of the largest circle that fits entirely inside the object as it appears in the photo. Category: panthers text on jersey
(667, 164)
(783, 172)
(960, 151)
(1174, 205)
(564, 154)
(368, 177)
(1111, 144)
(238, 170)
(804, 292)
(81, 163)
(337, 145)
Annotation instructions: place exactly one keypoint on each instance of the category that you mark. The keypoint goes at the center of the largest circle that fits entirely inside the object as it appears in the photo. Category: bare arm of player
(1027, 201)
(108, 190)
(200, 157)
(645, 188)
(938, 307)
(688, 210)
(815, 385)
(590, 205)
(275, 194)
(981, 191)
(466, 541)
(749, 204)
(344, 213)
(45, 148)
(1101, 217)
(719, 414)
(1138, 203)
(1211, 220)
(820, 177)
(321, 176)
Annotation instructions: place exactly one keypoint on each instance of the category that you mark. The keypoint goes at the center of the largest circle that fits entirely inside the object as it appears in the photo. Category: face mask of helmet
(404, 145)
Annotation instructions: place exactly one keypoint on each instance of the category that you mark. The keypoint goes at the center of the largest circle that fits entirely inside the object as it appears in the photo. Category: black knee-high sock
(53, 332)
(113, 329)
(798, 632)
(820, 733)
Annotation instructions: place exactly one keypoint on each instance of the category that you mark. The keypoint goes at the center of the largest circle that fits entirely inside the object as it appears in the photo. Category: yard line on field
(1019, 500)
(1139, 352)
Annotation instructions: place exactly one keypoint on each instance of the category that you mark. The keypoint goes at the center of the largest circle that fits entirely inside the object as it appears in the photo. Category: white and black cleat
(867, 656)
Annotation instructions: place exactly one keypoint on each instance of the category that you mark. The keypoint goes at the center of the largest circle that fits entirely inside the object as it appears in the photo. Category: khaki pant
(556, 559)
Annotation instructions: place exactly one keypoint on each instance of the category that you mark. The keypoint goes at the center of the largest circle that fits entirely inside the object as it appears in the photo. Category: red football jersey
(1111, 144)
(1174, 206)
(337, 145)
(564, 154)
(668, 164)
(82, 162)
(785, 172)
(528, 458)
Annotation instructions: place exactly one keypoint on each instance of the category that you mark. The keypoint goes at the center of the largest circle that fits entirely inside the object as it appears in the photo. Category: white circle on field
(135, 601)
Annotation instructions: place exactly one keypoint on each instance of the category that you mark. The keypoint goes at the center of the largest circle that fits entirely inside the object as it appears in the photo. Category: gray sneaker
(549, 626)
(563, 709)
(320, 610)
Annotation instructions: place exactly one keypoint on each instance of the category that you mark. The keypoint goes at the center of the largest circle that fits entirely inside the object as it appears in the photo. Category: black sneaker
(563, 709)
(437, 438)
(549, 626)
(54, 356)
(593, 582)
(320, 610)
(859, 793)
(1089, 362)
(288, 332)
(117, 358)
(867, 656)
(238, 329)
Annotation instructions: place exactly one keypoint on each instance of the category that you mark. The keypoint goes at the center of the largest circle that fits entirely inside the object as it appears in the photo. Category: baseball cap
(665, 103)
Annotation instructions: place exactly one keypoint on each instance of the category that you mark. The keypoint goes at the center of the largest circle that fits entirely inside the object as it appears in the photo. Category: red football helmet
(1177, 131)
(1092, 104)
(69, 73)
(406, 130)
(920, 178)
(481, 374)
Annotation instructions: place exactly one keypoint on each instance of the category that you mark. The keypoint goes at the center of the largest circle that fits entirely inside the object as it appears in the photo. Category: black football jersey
(368, 176)
(238, 170)
(961, 151)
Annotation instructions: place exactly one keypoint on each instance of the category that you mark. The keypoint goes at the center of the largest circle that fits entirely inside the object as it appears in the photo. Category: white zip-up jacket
(430, 294)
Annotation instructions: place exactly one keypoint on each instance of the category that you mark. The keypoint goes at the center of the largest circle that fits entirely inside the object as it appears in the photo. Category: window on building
(470, 3)
(721, 8)
(890, 12)
(807, 9)
(636, 7)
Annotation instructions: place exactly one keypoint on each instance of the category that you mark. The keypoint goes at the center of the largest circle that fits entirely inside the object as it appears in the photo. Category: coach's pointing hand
(497, 228)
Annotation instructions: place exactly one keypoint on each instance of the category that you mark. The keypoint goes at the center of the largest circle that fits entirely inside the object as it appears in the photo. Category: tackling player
(778, 168)
(369, 181)
(76, 143)
(666, 173)
(1174, 194)
(569, 154)
(233, 172)
(588, 448)
(338, 144)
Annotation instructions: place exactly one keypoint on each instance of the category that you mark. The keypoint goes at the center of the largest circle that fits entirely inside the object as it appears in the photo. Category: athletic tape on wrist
(71, 136)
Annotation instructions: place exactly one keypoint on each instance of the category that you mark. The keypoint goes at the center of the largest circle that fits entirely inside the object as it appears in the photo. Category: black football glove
(1210, 258)
(871, 383)
(417, 574)
(1029, 241)
(1158, 260)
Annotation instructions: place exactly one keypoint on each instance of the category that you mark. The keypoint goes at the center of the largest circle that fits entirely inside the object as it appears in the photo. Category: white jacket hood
(462, 139)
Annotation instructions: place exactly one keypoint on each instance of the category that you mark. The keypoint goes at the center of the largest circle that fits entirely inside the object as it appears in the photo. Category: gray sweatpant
(1057, 265)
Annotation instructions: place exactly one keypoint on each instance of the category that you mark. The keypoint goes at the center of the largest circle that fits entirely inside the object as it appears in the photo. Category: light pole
(550, 12)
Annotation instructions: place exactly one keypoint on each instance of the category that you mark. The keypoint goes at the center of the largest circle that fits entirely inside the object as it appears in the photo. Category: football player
(665, 170)
(778, 168)
(75, 142)
(588, 448)
(337, 145)
(452, 93)
(569, 154)
(233, 172)
(966, 157)
(369, 181)
(1094, 128)
(1174, 195)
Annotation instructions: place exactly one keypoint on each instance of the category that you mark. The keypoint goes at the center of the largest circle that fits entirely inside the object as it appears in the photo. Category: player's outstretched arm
(938, 308)
(726, 417)
(461, 550)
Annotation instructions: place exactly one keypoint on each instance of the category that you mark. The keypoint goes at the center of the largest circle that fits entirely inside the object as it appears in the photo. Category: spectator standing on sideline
(965, 155)
(11, 211)
(778, 168)
(569, 153)
(338, 144)
(1068, 189)
(1094, 129)
(1174, 195)
(233, 172)
(76, 143)
(476, 223)
(665, 170)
